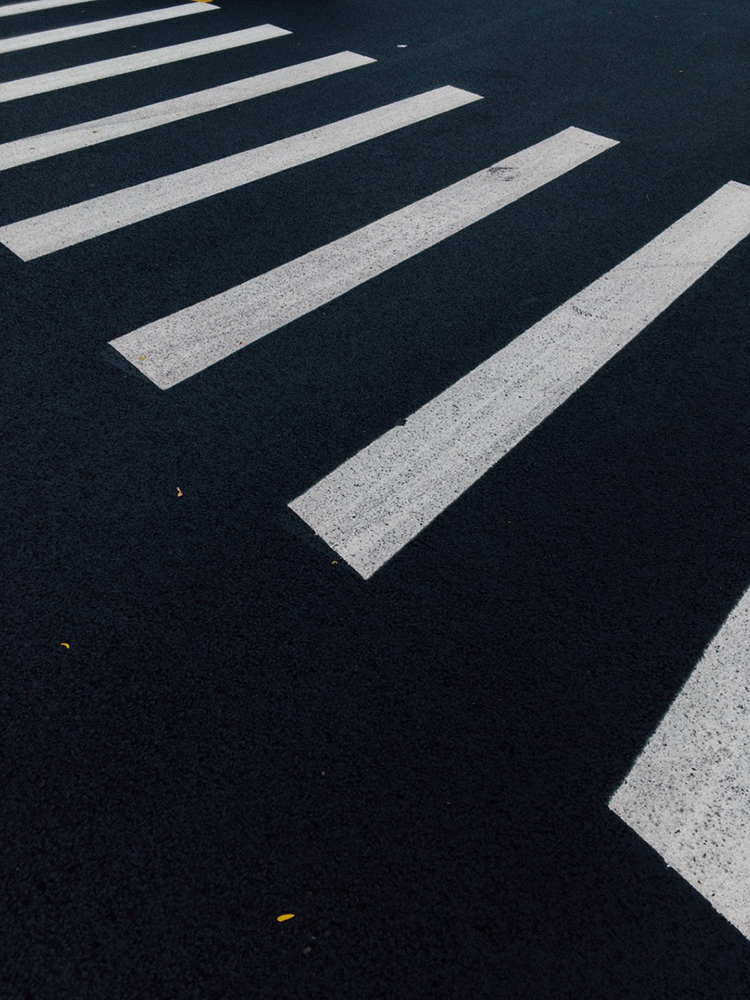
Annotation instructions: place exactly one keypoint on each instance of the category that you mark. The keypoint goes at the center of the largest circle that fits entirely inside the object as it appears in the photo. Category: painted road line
(688, 793)
(370, 507)
(30, 6)
(39, 147)
(192, 339)
(99, 27)
(29, 86)
(43, 234)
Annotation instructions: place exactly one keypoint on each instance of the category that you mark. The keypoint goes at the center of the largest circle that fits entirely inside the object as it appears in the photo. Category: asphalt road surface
(399, 708)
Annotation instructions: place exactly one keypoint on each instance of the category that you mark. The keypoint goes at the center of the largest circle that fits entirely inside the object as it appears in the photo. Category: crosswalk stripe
(29, 6)
(372, 505)
(31, 41)
(194, 338)
(687, 793)
(29, 86)
(39, 147)
(43, 234)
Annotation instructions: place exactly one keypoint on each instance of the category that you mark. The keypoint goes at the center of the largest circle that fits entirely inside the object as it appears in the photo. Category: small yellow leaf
(141, 357)
(66, 644)
(285, 916)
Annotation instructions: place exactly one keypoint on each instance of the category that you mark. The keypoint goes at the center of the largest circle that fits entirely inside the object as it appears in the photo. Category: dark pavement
(418, 765)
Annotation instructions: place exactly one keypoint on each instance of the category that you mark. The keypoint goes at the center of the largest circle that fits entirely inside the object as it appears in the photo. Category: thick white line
(31, 5)
(99, 27)
(88, 72)
(377, 501)
(43, 234)
(188, 341)
(688, 793)
(39, 147)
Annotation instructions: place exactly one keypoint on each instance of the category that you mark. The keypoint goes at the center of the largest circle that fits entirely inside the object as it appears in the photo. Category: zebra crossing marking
(64, 140)
(31, 5)
(18, 42)
(372, 505)
(73, 76)
(688, 793)
(193, 339)
(56, 230)
(688, 790)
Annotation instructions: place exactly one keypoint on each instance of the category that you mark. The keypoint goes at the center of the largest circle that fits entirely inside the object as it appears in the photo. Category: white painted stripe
(43, 234)
(31, 5)
(188, 341)
(99, 27)
(39, 147)
(688, 793)
(88, 72)
(377, 501)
